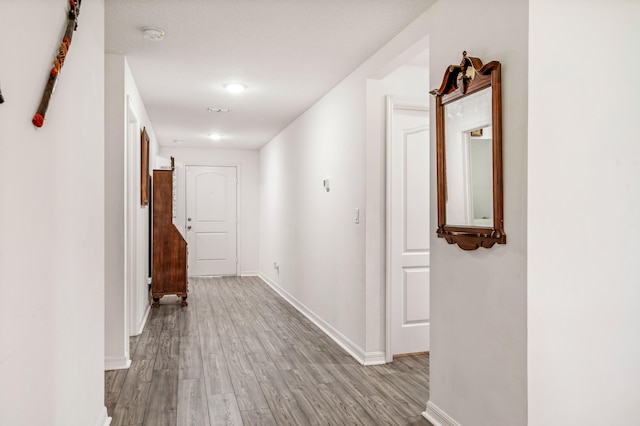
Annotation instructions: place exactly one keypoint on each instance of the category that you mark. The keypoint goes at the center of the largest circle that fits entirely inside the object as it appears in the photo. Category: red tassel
(38, 120)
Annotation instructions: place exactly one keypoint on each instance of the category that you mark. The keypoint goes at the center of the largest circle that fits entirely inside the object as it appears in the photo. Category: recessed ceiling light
(215, 136)
(153, 33)
(235, 87)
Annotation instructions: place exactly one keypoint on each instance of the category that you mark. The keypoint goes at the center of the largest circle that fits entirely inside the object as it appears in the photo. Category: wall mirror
(469, 154)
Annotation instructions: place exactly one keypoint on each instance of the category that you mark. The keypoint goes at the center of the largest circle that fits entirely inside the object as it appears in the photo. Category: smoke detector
(153, 33)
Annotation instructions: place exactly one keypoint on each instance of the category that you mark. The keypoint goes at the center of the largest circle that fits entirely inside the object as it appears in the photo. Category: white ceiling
(288, 52)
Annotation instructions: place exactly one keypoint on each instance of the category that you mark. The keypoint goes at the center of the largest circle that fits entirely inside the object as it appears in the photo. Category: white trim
(103, 418)
(118, 363)
(238, 222)
(346, 344)
(393, 102)
(131, 191)
(143, 321)
(374, 358)
(437, 416)
(249, 274)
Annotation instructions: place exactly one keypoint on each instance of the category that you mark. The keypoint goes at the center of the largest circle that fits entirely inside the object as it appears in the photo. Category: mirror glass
(469, 160)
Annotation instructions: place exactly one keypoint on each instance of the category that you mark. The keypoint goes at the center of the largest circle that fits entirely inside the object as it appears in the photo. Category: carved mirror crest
(469, 154)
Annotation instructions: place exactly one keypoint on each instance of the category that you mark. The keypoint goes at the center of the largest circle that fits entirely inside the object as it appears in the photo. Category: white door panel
(409, 229)
(416, 186)
(414, 260)
(212, 246)
(212, 220)
(211, 197)
(416, 296)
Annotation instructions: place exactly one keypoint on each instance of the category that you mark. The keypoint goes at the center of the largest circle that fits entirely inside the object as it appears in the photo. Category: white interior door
(408, 228)
(212, 220)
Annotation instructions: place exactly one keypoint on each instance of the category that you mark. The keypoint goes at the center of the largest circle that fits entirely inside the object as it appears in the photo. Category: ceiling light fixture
(235, 87)
(153, 33)
(215, 136)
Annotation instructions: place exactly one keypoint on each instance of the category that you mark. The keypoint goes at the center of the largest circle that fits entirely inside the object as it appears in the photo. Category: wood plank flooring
(240, 354)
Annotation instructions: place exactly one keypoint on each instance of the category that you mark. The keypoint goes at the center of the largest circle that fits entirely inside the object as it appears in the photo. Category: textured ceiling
(288, 52)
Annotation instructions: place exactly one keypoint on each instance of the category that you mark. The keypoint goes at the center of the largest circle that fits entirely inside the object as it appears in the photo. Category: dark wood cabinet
(169, 248)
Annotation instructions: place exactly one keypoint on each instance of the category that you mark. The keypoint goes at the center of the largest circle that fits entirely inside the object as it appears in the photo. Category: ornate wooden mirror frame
(460, 81)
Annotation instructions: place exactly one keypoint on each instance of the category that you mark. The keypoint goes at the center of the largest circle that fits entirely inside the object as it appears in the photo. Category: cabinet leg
(156, 302)
(184, 301)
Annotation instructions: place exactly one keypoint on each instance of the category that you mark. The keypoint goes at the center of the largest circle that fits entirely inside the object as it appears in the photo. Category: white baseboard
(249, 274)
(438, 417)
(118, 363)
(374, 358)
(352, 349)
(143, 321)
(103, 418)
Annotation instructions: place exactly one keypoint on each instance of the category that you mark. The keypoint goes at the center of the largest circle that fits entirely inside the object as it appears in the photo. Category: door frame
(393, 102)
(131, 202)
(238, 206)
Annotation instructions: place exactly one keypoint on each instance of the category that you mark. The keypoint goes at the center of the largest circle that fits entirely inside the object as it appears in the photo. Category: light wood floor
(240, 354)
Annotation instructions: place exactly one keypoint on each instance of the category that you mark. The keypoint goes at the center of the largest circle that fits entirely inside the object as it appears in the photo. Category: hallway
(240, 354)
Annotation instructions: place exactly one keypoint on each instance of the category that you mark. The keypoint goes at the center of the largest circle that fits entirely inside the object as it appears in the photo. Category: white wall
(116, 325)
(478, 367)
(478, 299)
(247, 162)
(123, 320)
(584, 198)
(51, 219)
(311, 233)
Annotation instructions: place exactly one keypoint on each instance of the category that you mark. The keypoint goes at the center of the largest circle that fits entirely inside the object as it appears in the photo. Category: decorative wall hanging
(72, 25)
(145, 178)
(469, 154)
